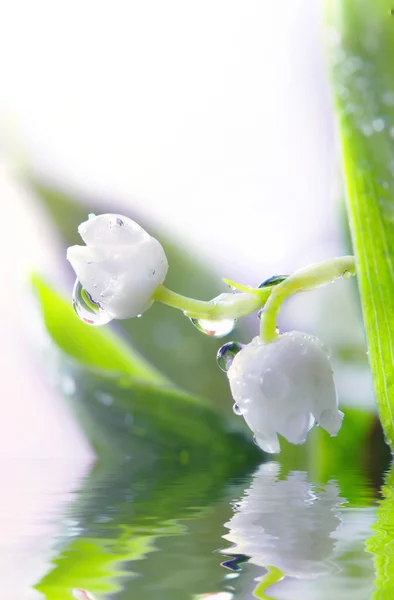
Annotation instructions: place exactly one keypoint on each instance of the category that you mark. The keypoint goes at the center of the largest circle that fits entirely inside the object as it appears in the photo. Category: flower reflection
(286, 524)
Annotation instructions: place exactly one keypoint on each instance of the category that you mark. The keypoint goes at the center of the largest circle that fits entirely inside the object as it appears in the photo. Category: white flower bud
(120, 266)
(284, 387)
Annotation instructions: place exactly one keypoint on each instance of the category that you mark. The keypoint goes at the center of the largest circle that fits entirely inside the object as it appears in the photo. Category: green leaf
(123, 417)
(135, 408)
(163, 335)
(361, 36)
(354, 458)
(92, 346)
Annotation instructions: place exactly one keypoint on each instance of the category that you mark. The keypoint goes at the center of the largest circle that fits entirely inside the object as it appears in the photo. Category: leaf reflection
(381, 543)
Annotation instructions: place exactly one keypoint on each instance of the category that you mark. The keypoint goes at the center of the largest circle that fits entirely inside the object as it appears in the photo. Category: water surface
(172, 532)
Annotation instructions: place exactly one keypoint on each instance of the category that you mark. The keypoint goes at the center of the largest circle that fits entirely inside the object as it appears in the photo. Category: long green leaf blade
(361, 36)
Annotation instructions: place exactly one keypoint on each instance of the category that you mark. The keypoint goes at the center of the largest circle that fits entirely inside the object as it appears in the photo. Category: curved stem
(272, 576)
(225, 306)
(306, 279)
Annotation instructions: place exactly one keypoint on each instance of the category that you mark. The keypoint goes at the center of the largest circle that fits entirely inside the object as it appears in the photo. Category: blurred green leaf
(163, 335)
(92, 346)
(356, 458)
(361, 37)
(132, 407)
(127, 417)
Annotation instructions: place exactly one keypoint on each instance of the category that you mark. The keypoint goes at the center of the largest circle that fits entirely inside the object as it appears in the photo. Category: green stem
(306, 279)
(272, 576)
(225, 306)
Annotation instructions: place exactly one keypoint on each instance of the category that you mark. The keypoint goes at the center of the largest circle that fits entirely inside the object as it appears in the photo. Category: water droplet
(226, 354)
(217, 329)
(346, 275)
(68, 385)
(378, 124)
(275, 385)
(274, 280)
(388, 98)
(103, 398)
(87, 309)
(81, 594)
(367, 129)
(238, 410)
(128, 420)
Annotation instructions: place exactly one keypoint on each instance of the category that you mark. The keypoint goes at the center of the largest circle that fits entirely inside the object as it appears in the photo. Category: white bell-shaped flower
(120, 266)
(285, 387)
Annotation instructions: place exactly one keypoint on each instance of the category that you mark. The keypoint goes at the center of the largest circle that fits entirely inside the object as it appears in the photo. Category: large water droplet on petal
(238, 410)
(217, 329)
(226, 354)
(88, 310)
(274, 280)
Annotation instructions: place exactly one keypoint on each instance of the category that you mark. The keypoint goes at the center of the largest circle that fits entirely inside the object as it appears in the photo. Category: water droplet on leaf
(378, 124)
(87, 309)
(274, 280)
(238, 410)
(226, 354)
(218, 328)
(346, 275)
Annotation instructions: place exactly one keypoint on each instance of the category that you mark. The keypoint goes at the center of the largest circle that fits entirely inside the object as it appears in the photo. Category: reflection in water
(150, 531)
(286, 525)
(143, 530)
(381, 543)
(215, 596)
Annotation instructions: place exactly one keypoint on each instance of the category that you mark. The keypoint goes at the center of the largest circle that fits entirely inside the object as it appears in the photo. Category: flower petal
(121, 278)
(269, 444)
(111, 229)
(283, 386)
(89, 265)
(295, 428)
(331, 421)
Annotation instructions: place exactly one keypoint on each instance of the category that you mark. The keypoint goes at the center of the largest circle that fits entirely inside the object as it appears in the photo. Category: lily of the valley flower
(120, 266)
(285, 387)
